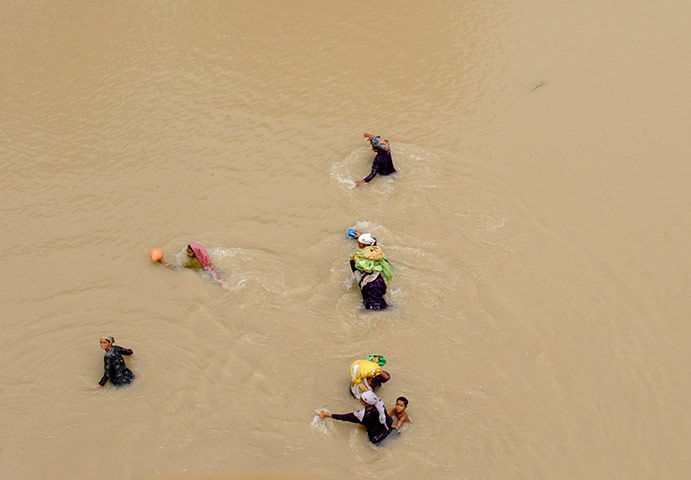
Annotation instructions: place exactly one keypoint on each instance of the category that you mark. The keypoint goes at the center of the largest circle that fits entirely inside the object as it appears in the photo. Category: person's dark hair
(403, 399)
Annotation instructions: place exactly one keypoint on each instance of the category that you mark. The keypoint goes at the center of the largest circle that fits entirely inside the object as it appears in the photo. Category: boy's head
(401, 404)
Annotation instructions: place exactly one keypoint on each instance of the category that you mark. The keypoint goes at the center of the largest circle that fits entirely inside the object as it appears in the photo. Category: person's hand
(367, 135)
(324, 414)
(359, 182)
(97, 387)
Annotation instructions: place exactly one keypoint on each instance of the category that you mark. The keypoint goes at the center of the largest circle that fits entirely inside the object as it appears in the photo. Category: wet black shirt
(383, 165)
(376, 432)
(114, 368)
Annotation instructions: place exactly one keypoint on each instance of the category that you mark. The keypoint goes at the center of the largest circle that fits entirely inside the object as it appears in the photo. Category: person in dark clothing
(383, 163)
(373, 291)
(373, 417)
(114, 368)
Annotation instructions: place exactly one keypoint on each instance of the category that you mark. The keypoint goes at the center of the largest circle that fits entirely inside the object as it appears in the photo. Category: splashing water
(319, 425)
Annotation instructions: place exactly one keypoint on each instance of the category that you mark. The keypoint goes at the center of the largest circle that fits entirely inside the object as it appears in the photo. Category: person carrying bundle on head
(367, 374)
(371, 270)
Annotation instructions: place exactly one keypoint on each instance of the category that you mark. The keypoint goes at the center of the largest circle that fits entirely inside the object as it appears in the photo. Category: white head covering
(370, 398)
(367, 239)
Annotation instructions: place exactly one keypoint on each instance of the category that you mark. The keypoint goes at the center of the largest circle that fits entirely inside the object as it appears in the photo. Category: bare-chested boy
(399, 412)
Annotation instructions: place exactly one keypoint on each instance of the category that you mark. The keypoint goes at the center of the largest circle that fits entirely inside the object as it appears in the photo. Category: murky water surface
(538, 227)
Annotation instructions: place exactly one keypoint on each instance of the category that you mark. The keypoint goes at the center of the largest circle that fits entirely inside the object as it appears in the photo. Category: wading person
(371, 270)
(367, 374)
(198, 259)
(399, 412)
(114, 368)
(373, 417)
(383, 163)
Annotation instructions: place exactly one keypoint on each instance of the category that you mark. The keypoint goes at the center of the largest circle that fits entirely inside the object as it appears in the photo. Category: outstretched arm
(345, 417)
(373, 173)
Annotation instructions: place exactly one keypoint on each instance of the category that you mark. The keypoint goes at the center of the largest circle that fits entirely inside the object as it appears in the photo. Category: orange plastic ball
(156, 254)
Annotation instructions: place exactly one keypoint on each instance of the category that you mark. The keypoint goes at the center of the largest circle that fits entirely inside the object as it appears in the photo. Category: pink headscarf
(201, 254)
(203, 257)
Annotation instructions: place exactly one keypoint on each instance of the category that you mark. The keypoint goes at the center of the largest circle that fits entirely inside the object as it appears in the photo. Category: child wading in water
(399, 412)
